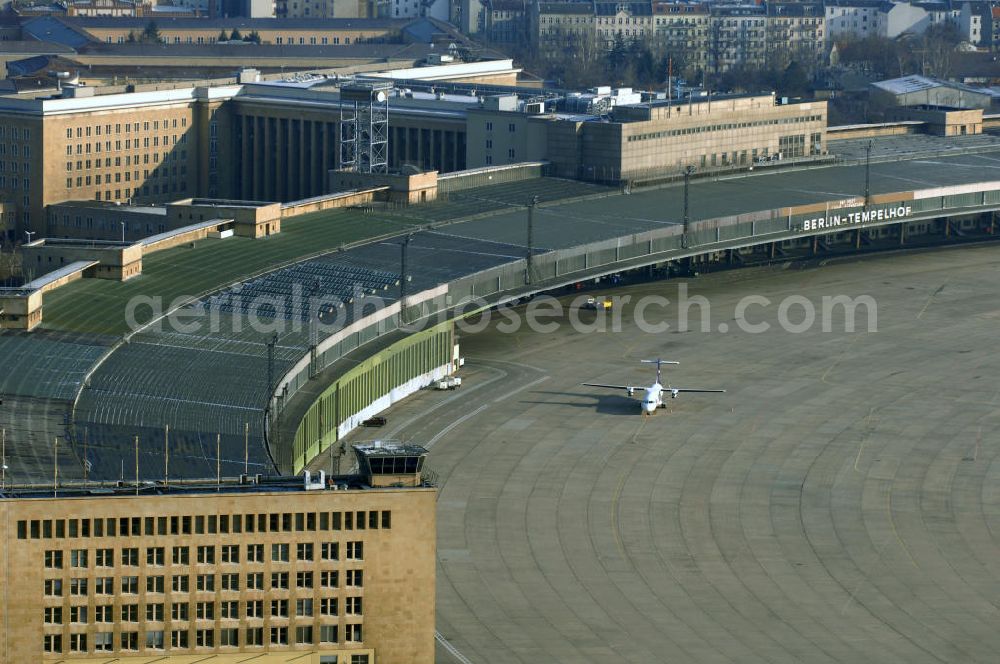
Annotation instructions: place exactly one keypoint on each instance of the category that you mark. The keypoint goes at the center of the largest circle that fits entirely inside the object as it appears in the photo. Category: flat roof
(59, 273)
(248, 484)
(385, 448)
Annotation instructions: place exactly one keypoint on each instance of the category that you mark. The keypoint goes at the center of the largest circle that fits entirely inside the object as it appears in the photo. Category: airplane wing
(688, 389)
(627, 388)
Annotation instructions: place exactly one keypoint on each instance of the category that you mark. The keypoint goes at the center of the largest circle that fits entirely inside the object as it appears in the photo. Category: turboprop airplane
(654, 394)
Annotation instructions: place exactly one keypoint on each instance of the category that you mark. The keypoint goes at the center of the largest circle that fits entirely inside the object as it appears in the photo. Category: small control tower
(384, 463)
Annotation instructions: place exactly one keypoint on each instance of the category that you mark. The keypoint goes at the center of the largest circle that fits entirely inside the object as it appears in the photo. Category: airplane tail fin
(659, 363)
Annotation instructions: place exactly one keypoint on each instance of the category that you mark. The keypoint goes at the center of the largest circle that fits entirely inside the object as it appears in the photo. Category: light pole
(868, 167)
(688, 170)
(531, 238)
(123, 231)
(29, 234)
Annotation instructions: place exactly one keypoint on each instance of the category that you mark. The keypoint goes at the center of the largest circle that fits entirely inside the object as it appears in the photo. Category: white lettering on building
(863, 217)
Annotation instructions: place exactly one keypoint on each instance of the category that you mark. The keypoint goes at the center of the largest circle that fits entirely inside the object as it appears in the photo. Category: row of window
(181, 583)
(14, 184)
(226, 637)
(88, 180)
(82, 164)
(96, 130)
(204, 554)
(209, 524)
(723, 127)
(15, 133)
(129, 144)
(225, 610)
(510, 127)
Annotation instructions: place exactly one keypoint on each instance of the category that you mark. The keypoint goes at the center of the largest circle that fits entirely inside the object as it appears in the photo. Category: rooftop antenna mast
(55, 467)
(218, 462)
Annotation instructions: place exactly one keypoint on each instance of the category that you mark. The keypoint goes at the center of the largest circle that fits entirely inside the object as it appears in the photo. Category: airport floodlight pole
(270, 370)
(688, 170)
(404, 250)
(531, 239)
(868, 168)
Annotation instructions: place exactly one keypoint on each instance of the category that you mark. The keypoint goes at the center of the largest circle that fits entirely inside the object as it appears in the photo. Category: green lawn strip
(98, 306)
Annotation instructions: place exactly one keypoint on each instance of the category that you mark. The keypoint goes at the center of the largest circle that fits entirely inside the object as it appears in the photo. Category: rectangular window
(130, 557)
(181, 555)
(154, 584)
(53, 615)
(328, 606)
(129, 640)
(355, 550)
(129, 613)
(180, 583)
(354, 578)
(78, 614)
(230, 581)
(352, 606)
(78, 557)
(52, 643)
(205, 638)
(279, 552)
(304, 634)
(78, 587)
(230, 610)
(130, 585)
(330, 551)
(304, 551)
(329, 578)
(154, 640)
(53, 559)
(254, 636)
(155, 555)
(255, 581)
(304, 607)
(230, 553)
(279, 580)
(206, 555)
(104, 585)
(179, 611)
(154, 613)
(327, 633)
(279, 608)
(204, 611)
(229, 637)
(205, 583)
(103, 641)
(255, 608)
(279, 636)
(53, 587)
(179, 638)
(103, 613)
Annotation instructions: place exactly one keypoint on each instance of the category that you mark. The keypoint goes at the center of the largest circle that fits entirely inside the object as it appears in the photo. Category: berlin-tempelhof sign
(852, 218)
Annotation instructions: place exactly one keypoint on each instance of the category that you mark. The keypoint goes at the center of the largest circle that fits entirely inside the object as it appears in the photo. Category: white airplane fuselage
(653, 398)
